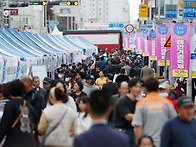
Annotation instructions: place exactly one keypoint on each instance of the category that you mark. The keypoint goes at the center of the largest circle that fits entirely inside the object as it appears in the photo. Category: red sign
(168, 43)
(129, 28)
(12, 11)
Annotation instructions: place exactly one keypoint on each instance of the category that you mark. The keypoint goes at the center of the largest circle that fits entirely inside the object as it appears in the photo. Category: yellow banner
(180, 73)
(138, 50)
(193, 74)
(143, 11)
(180, 38)
(162, 63)
(126, 49)
(145, 54)
(153, 58)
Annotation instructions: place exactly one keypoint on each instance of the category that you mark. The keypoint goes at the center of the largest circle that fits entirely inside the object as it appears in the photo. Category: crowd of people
(113, 101)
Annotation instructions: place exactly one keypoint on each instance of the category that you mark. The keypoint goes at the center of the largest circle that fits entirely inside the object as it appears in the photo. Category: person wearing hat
(61, 74)
(164, 91)
(46, 85)
(180, 131)
(140, 61)
(90, 86)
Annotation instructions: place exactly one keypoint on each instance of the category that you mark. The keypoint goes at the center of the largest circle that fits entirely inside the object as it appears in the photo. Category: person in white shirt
(83, 121)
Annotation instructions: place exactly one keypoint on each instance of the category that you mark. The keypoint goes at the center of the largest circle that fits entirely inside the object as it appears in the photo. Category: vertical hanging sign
(145, 44)
(138, 42)
(162, 34)
(180, 46)
(152, 45)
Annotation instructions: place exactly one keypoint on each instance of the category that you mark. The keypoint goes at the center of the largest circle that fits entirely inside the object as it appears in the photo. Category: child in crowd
(145, 141)
(83, 121)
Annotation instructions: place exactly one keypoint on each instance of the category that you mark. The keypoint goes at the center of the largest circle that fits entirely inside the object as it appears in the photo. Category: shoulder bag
(46, 135)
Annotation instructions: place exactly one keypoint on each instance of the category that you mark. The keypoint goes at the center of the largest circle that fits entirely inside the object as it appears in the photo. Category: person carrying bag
(14, 124)
(57, 121)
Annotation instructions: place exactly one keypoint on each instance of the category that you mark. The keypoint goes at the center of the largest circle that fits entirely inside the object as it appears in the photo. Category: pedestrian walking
(152, 112)
(99, 104)
(57, 121)
(19, 119)
(125, 109)
(180, 131)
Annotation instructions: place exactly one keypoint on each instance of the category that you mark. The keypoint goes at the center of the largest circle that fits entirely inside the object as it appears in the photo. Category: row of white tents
(19, 51)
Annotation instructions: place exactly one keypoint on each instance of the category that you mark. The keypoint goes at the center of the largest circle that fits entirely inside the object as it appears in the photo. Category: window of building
(65, 11)
(25, 20)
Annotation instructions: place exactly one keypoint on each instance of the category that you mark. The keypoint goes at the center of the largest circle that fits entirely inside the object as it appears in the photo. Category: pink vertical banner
(180, 46)
(145, 44)
(138, 42)
(126, 41)
(162, 34)
(152, 45)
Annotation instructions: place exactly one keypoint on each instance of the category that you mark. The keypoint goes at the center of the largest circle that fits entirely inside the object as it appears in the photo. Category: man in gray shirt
(90, 86)
(152, 112)
(127, 67)
(146, 72)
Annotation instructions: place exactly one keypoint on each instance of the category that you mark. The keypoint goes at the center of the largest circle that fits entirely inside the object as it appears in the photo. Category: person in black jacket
(41, 91)
(78, 93)
(122, 77)
(111, 87)
(31, 95)
(21, 135)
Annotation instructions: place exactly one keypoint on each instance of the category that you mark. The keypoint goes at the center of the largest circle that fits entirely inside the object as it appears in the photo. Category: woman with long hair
(83, 121)
(77, 93)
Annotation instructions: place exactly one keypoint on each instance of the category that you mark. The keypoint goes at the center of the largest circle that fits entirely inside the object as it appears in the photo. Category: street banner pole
(165, 68)
(189, 80)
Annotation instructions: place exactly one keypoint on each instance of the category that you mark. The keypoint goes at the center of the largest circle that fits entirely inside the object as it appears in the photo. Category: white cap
(163, 86)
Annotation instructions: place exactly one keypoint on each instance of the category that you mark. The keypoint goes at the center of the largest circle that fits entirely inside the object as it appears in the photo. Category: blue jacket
(101, 64)
(101, 135)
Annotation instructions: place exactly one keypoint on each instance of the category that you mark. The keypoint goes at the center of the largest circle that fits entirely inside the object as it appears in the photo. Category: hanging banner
(132, 42)
(126, 41)
(194, 38)
(152, 45)
(162, 34)
(193, 52)
(193, 65)
(138, 42)
(145, 44)
(1, 68)
(10, 69)
(180, 47)
(24, 67)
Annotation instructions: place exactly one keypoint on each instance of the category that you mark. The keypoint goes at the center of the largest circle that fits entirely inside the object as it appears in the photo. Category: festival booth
(20, 51)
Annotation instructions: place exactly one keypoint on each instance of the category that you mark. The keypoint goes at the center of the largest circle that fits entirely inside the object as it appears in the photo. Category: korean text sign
(180, 47)
(152, 45)
(162, 34)
(189, 9)
(171, 11)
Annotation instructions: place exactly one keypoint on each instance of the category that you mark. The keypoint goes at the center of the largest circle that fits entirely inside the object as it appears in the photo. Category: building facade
(105, 11)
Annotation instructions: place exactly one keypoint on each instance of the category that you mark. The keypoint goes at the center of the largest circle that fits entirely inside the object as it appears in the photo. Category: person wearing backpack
(19, 119)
